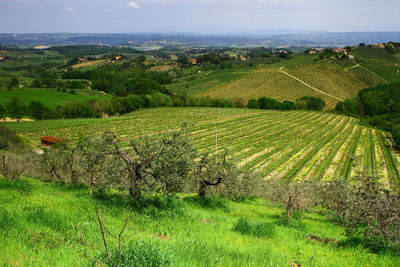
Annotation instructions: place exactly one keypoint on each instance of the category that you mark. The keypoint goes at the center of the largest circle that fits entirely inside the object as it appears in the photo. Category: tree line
(303, 103)
(16, 109)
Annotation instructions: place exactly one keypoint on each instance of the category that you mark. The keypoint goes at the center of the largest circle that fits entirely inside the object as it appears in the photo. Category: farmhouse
(339, 50)
(118, 57)
(378, 45)
(193, 61)
(49, 141)
(312, 52)
(82, 59)
(241, 58)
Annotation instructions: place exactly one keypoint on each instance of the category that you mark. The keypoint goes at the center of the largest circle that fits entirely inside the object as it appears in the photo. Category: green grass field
(333, 81)
(49, 97)
(288, 145)
(43, 224)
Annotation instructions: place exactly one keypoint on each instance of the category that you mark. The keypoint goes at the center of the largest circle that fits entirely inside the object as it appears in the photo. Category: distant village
(345, 53)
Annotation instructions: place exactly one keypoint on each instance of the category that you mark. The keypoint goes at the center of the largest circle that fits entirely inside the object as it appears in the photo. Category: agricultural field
(291, 79)
(380, 61)
(286, 145)
(91, 63)
(377, 53)
(49, 97)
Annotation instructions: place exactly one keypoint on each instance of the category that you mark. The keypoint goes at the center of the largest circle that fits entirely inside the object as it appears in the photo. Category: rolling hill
(332, 79)
(287, 145)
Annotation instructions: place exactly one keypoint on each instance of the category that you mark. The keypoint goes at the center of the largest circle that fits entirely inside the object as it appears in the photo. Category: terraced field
(288, 145)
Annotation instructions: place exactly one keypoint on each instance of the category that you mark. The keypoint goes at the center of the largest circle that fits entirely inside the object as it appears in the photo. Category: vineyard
(360, 72)
(288, 145)
(376, 53)
(380, 61)
(341, 79)
(333, 79)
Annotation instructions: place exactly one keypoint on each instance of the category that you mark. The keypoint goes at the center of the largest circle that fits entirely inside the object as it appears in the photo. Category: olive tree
(53, 164)
(98, 166)
(156, 163)
(12, 165)
(293, 195)
(367, 209)
(218, 174)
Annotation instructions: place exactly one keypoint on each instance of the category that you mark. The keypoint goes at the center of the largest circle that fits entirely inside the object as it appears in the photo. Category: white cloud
(71, 10)
(133, 4)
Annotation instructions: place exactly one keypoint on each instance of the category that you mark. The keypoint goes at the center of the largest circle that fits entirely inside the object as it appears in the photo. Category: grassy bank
(42, 224)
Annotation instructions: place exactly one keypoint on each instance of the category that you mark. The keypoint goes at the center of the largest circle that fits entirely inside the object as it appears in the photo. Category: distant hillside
(268, 38)
(332, 79)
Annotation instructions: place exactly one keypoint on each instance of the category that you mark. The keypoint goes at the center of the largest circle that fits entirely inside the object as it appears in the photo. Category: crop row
(289, 145)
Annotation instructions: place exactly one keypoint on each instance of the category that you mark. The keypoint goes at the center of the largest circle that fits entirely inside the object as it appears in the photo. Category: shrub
(269, 103)
(15, 108)
(139, 253)
(8, 138)
(310, 103)
(253, 103)
(295, 196)
(247, 227)
(12, 165)
(368, 211)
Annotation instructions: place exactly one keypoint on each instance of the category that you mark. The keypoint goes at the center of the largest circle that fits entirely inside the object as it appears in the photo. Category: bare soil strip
(308, 85)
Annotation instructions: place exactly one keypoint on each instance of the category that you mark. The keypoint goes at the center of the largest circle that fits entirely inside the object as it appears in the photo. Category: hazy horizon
(277, 31)
(200, 17)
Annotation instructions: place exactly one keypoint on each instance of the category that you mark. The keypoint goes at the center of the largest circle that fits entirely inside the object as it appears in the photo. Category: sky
(197, 16)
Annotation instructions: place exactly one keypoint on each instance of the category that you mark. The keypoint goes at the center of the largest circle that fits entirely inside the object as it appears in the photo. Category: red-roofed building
(379, 45)
(49, 141)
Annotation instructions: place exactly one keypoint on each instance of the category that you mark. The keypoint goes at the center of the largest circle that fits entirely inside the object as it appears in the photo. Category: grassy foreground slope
(283, 144)
(331, 79)
(43, 224)
(49, 97)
